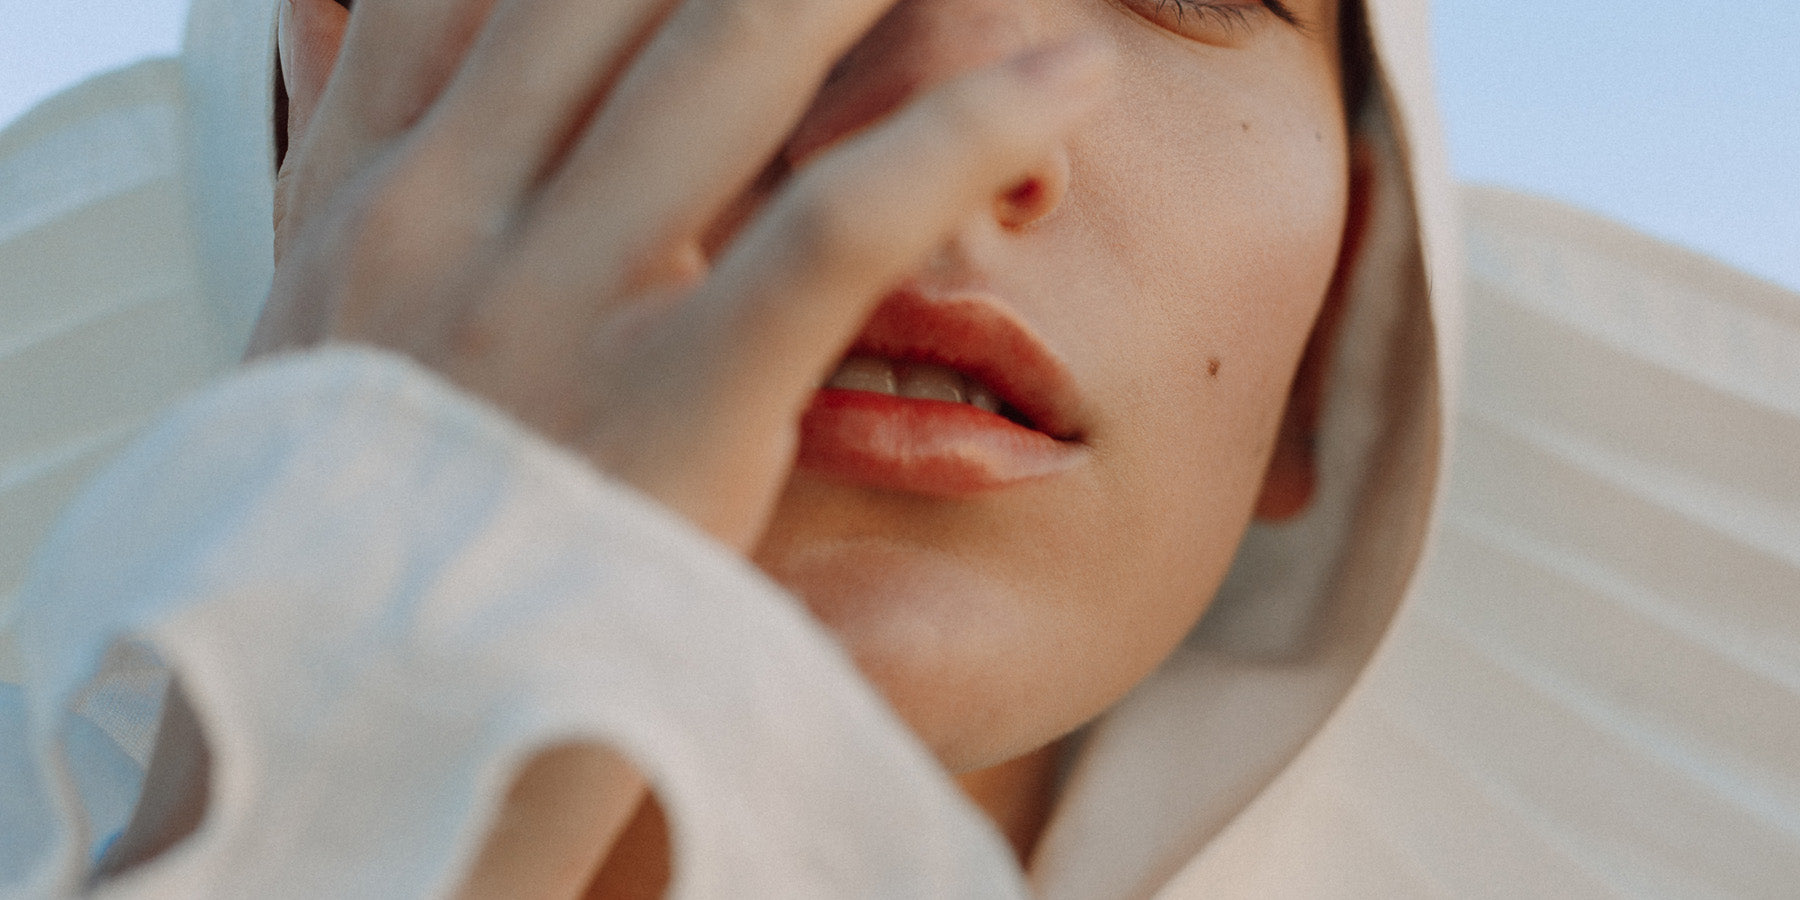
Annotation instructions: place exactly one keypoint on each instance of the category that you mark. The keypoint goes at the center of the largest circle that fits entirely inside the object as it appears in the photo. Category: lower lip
(927, 447)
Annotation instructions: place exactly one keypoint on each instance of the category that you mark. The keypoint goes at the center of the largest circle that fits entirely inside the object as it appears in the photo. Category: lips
(945, 395)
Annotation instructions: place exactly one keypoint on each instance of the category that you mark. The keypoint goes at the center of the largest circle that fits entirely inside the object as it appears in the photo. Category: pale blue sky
(1681, 117)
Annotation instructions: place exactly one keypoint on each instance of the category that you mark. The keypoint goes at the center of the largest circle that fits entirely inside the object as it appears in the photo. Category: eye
(1211, 21)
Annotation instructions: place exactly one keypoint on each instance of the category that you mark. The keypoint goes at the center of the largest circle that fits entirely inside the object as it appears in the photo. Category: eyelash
(1275, 6)
(1230, 15)
(1282, 12)
(1236, 16)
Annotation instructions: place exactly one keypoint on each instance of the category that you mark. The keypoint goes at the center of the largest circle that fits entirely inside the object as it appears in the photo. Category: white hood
(1588, 688)
(1176, 778)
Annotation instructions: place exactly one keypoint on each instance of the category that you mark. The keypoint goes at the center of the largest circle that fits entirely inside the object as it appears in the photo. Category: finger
(787, 297)
(396, 59)
(529, 83)
(387, 60)
(697, 115)
(863, 215)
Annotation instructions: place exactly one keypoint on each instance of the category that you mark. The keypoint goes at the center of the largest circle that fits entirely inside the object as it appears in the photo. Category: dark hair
(1358, 59)
(281, 115)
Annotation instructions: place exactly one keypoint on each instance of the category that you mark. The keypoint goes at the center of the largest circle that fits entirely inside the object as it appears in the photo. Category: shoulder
(1628, 289)
(1608, 610)
(1653, 370)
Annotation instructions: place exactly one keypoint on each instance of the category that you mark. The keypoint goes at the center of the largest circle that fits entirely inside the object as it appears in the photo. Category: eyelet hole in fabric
(173, 801)
(576, 821)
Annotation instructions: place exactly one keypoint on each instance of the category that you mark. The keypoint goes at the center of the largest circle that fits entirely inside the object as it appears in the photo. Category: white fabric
(381, 598)
(1596, 690)
(1591, 688)
(103, 321)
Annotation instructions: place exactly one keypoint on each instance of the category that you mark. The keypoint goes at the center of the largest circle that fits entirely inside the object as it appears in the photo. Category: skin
(1197, 218)
(1174, 246)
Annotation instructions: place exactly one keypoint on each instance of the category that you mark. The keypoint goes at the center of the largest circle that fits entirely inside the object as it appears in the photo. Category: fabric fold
(365, 709)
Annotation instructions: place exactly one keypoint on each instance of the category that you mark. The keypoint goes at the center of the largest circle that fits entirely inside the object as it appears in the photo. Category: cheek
(1185, 240)
(1217, 214)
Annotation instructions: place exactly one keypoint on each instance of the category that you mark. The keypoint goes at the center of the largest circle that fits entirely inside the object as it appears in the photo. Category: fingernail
(1079, 65)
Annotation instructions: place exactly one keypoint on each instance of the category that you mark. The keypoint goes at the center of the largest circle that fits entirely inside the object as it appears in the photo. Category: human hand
(527, 196)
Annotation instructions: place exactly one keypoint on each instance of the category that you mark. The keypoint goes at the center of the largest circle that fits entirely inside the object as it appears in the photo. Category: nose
(917, 46)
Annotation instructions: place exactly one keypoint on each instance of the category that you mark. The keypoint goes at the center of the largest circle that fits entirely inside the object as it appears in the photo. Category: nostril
(1036, 197)
(1027, 194)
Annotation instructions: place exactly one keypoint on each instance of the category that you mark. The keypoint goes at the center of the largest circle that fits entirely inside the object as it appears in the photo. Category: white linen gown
(1537, 637)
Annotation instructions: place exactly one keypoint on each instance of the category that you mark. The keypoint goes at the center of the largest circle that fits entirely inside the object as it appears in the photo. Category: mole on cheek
(1212, 367)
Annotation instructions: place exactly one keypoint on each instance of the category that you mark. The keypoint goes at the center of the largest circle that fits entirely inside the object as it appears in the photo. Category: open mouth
(922, 381)
(944, 396)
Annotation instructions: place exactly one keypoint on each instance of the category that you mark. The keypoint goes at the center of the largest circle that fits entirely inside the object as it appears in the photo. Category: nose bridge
(917, 46)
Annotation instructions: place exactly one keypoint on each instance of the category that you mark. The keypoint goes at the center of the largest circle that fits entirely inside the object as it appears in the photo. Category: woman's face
(1175, 262)
(1151, 294)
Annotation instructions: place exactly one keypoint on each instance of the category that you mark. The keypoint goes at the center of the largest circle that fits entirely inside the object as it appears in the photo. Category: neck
(1018, 796)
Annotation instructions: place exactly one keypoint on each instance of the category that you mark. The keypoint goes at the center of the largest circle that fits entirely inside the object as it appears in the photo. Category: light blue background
(1681, 117)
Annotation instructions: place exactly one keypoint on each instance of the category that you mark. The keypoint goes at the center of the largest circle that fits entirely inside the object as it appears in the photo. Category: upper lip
(973, 332)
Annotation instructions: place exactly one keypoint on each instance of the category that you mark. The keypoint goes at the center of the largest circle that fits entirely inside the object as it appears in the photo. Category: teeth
(980, 397)
(865, 373)
(922, 381)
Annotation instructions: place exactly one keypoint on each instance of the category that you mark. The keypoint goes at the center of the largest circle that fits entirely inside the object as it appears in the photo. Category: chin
(947, 643)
